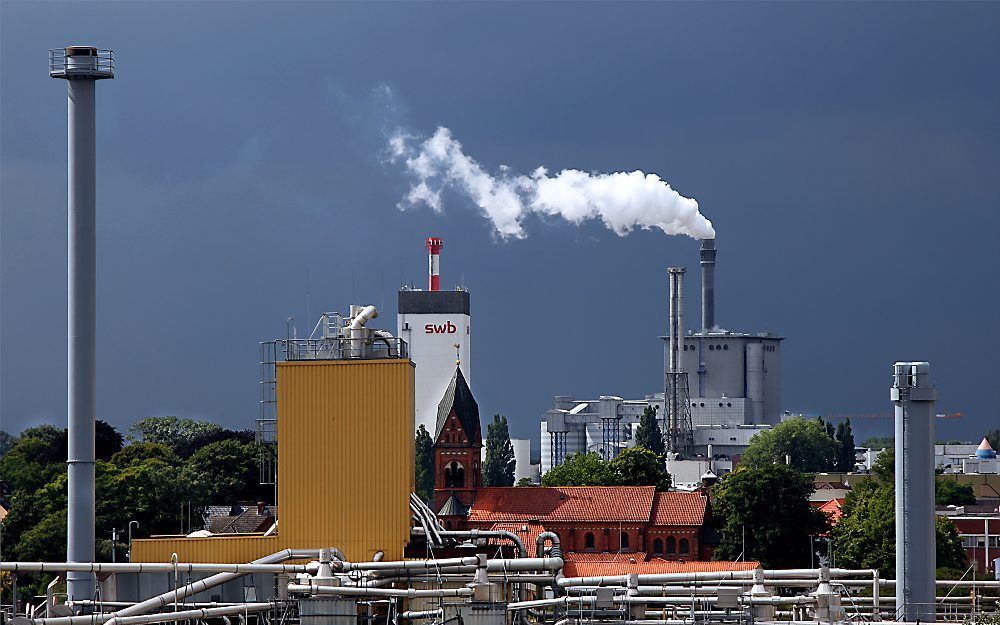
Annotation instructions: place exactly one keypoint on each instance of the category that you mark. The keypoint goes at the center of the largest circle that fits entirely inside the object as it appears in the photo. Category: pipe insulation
(361, 591)
(179, 594)
(154, 567)
(162, 617)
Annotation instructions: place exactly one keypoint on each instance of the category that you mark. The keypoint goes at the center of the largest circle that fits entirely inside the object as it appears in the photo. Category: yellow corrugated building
(345, 466)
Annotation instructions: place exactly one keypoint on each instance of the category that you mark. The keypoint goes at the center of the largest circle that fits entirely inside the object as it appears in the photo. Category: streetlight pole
(128, 554)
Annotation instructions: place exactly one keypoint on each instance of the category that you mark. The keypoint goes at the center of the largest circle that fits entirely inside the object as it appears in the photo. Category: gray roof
(458, 397)
(453, 507)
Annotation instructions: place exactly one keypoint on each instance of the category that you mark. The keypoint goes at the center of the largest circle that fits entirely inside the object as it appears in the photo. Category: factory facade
(720, 388)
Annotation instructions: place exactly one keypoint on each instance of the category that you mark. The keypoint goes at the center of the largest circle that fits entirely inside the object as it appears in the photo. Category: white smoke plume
(622, 200)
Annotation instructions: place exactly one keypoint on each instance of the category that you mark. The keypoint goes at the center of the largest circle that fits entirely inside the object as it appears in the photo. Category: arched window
(454, 475)
(588, 540)
(657, 545)
(671, 545)
(447, 525)
(685, 547)
(624, 540)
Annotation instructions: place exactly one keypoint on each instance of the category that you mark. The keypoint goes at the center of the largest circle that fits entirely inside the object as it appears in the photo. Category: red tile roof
(596, 564)
(833, 509)
(564, 503)
(678, 508)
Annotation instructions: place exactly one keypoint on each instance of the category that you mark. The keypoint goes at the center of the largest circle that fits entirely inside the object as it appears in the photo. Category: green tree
(993, 438)
(879, 442)
(884, 468)
(138, 452)
(767, 506)
(865, 536)
(36, 458)
(424, 465)
(845, 443)
(648, 434)
(108, 441)
(226, 471)
(581, 469)
(807, 441)
(525, 481)
(7, 441)
(948, 492)
(500, 465)
(948, 544)
(183, 436)
(638, 466)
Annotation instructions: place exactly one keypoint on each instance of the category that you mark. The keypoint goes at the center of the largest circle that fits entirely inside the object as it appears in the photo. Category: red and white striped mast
(434, 246)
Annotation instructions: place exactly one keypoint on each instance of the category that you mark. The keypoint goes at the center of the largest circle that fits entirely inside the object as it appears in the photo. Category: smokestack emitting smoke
(622, 200)
(434, 246)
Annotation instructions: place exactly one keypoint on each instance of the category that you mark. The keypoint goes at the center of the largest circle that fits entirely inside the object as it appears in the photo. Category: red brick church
(593, 522)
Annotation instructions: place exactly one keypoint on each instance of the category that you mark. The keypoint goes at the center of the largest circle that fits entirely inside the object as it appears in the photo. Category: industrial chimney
(913, 397)
(434, 246)
(675, 388)
(81, 67)
(707, 284)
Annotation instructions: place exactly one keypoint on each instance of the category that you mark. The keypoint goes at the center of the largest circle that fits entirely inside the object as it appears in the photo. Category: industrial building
(342, 398)
(343, 411)
(721, 388)
(437, 326)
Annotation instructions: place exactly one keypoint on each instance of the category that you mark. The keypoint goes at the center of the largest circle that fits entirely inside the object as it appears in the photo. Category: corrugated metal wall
(231, 549)
(345, 454)
(345, 466)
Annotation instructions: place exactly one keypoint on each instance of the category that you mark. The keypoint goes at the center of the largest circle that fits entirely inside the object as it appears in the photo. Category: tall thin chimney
(434, 246)
(913, 397)
(707, 284)
(81, 67)
(675, 399)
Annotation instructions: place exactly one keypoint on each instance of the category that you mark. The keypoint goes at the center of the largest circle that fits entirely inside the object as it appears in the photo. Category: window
(671, 545)
(657, 545)
(454, 475)
(588, 540)
(685, 546)
(624, 541)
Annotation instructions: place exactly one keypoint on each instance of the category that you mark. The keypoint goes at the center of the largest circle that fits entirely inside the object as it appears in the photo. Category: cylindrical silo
(755, 381)
(913, 397)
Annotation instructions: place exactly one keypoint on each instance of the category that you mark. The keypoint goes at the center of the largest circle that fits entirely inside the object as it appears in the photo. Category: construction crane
(884, 415)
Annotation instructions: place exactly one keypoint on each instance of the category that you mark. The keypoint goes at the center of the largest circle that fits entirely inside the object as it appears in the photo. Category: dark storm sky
(847, 153)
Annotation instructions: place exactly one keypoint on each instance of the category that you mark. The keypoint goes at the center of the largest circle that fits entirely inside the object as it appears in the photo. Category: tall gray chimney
(913, 396)
(81, 67)
(707, 284)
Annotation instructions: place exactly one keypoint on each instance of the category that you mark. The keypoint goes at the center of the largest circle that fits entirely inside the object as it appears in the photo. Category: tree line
(162, 476)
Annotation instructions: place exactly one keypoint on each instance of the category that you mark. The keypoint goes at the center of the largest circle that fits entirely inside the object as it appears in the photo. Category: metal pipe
(410, 565)
(541, 540)
(367, 313)
(361, 591)
(159, 601)
(659, 578)
(154, 567)
(410, 615)
(162, 617)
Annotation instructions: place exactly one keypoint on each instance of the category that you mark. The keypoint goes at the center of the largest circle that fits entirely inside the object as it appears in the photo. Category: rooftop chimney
(434, 246)
(707, 284)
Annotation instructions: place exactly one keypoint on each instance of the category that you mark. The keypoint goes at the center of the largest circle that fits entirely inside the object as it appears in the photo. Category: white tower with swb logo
(438, 329)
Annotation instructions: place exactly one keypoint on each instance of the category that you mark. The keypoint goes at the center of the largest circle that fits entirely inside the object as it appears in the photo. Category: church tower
(458, 444)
